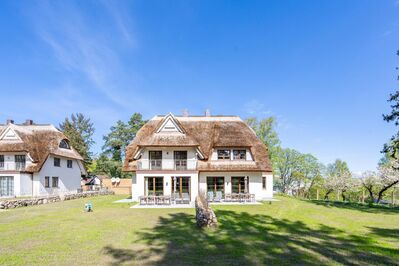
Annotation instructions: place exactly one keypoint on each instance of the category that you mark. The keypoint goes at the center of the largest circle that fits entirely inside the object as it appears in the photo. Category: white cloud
(255, 108)
(82, 48)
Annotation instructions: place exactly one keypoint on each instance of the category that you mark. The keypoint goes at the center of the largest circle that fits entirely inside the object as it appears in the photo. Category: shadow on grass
(246, 239)
(357, 206)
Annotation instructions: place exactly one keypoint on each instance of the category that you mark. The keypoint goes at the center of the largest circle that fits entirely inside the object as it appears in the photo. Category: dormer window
(223, 154)
(239, 154)
(64, 144)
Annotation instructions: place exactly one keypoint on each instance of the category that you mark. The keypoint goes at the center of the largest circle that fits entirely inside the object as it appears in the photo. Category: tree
(392, 148)
(388, 176)
(265, 131)
(378, 183)
(120, 135)
(111, 159)
(287, 168)
(79, 130)
(370, 181)
(311, 169)
(338, 178)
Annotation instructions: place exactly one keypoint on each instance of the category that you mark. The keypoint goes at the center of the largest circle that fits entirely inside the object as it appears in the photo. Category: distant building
(37, 160)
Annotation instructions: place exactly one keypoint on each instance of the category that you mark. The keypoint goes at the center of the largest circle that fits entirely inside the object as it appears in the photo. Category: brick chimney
(28, 122)
(10, 121)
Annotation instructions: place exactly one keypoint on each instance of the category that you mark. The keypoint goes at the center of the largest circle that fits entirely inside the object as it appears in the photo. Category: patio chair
(143, 200)
(210, 195)
(186, 198)
(167, 200)
(252, 197)
(218, 197)
(227, 197)
(150, 200)
(178, 199)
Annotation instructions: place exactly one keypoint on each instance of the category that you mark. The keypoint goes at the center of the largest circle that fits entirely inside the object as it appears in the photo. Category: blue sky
(324, 69)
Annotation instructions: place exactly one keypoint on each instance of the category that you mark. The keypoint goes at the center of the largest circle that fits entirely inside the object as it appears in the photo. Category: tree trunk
(343, 195)
(317, 194)
(381, 193)
(370, 190)
(327, 194)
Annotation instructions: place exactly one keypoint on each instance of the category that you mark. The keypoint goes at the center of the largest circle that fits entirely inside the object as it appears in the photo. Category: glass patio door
(182, 185)
(154, 186)
(238, 184)
(6, 186)
(215, 183)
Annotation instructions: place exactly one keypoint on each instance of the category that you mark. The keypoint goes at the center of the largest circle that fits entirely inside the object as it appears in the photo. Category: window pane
(239, 154)
(224, 154)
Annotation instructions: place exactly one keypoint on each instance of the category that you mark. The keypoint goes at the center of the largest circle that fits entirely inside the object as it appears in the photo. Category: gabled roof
(205, 133)
(39, 141)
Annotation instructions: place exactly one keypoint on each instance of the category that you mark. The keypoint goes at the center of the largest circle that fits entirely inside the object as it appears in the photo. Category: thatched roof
(205, 133)
(39, 141)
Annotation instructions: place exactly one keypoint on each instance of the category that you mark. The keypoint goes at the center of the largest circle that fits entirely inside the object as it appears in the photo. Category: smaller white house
(37, 160)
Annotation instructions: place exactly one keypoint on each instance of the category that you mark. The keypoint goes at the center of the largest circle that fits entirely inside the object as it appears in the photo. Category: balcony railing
(12, 166)
(167, 164)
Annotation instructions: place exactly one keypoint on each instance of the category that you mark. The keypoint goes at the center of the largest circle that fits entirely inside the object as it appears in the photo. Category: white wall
(9, 160)
(168, 157)
(255, 182)
(22, 183)
(138, 185)
(68, 178)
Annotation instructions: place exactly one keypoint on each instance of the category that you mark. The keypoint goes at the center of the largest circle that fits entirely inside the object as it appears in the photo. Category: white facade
(33, 184)
(260, 184)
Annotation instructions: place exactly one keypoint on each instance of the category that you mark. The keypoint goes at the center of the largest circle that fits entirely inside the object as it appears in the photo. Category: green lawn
(290, 231)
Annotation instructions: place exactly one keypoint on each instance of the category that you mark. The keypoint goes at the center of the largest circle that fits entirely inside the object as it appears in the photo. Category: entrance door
(154, 186)
(6, 186)
(182, 185)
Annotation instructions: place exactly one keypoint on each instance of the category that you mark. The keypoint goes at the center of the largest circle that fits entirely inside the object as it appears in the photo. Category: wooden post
(317, 194)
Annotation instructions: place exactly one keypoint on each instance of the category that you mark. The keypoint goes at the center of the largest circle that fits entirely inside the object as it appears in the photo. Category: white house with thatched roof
(37, 160)
(179, 156)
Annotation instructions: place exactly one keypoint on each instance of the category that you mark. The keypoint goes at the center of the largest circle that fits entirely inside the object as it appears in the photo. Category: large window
(47, 181)
(6, 186)
(182, 185)
(215, 183)
(180, 160)
(155, 160)
(238, 184)
(54, 182)
(57, 162)
(20, 162)
(239, 154)
(224, 154)
(154, 186)
(1, 161)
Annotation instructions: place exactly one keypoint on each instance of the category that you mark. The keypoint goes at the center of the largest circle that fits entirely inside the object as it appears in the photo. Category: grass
(287, 232)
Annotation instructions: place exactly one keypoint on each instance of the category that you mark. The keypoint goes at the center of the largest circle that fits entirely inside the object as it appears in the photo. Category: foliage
(287, 168)
(339, 178)
(110, 161)
(377, 184)
(120, 135)
(265, 130)
(110, 167)
(392, 148)
(79, 130)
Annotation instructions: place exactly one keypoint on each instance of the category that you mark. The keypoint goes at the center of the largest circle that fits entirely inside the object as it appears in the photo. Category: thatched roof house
(206, 133)
(38, 141)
